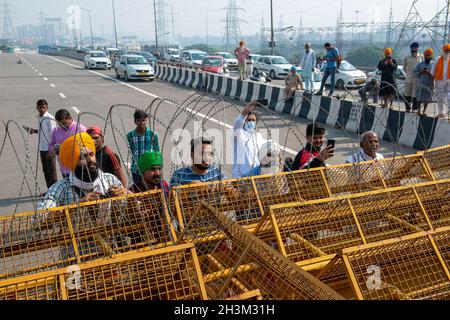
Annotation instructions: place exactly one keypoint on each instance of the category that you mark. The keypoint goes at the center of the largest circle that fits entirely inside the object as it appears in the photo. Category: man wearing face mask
(307, 66)
(247, 141)
(369, 147)
(441, 73)
(85, 181)
(409, 65)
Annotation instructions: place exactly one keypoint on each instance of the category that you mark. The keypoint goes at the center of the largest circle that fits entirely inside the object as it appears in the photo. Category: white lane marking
(45, 79)
(52, 85)
(62, 95)
(39, 74)
(155, 96)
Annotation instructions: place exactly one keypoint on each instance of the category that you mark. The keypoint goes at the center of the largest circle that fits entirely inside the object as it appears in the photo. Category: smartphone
(263, 102)
(331, 143)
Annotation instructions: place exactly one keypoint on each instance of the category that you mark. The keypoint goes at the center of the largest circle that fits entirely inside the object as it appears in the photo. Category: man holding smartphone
(425, 85)
(312, 156)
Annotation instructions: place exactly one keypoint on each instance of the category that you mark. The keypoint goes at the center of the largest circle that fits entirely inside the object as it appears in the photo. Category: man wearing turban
(85, 181)
(388, 86)
(409, 65)
(150, 166)
(441, 73)
(425, 84)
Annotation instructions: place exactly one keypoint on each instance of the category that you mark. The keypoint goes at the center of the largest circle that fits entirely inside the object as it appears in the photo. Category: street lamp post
(90, 26)
(272, 38)
(156, 25)
(115, 26)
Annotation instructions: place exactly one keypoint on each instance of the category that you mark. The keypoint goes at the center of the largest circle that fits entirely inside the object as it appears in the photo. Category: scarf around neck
(97, 186)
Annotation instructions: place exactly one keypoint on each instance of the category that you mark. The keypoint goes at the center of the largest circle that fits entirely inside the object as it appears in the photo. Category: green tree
(367, 56)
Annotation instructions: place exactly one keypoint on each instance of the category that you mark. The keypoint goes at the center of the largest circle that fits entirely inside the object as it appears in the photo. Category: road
(65, 83)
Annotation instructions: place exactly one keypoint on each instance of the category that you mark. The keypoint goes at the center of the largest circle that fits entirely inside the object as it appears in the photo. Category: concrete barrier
(391, 125)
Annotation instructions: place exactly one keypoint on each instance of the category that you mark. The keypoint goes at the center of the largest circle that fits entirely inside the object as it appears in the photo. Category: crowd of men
(91, 170)
(426, 80)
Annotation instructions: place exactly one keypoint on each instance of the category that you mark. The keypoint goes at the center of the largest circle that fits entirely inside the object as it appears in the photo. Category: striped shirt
(141, 144)
(63, 194)
(361, 156)
(186, 176)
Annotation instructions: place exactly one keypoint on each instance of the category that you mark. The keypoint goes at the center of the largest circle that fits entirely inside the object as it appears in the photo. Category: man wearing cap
(293, 82)
(409, 65)
(425, 84)
(85, 181)
(107, 160)
(150, 167)
(441, 73)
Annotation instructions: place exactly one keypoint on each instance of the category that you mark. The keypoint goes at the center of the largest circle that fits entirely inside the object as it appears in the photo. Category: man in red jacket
(311, 156)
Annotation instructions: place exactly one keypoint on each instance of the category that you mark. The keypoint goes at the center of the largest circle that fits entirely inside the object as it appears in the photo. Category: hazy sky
(135, 17)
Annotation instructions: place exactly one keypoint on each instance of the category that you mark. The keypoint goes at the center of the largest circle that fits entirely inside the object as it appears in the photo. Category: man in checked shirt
(141, 140)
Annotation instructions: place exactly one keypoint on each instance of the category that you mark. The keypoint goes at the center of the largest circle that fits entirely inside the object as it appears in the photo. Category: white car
(192, 58)
(230, 60)
(171, 54)
(348, 76)
(275, 66)
(97, 60)
(401, 77)
(131, 67)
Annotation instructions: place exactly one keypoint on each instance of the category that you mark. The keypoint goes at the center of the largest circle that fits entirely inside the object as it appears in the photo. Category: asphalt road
(65, 83)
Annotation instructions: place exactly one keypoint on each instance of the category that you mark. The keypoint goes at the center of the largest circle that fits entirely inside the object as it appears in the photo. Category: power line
(232, 24)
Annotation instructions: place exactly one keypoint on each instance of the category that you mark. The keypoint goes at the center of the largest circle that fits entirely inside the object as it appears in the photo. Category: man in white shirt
(308, 64)
(46, 124)
(369, 147)
(247, 142)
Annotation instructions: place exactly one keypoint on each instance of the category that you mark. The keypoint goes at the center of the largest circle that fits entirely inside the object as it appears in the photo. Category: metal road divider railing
(235, 262)
(40, 241)
(314, 232)
(171, 273)
(247, 200)
(412, 267)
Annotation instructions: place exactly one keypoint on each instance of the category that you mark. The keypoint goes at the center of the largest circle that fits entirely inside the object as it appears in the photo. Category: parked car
(254, 57)
(214, 64)
(131, 66)
(348, 76)
(275, 66)
(171, 54)
(400, 74)
(97, 60)
(192, 58)
(151, 59)
(230, 60)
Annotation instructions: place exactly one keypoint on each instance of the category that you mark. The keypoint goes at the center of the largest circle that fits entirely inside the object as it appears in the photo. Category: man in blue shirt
(203, 169)
(332, 58)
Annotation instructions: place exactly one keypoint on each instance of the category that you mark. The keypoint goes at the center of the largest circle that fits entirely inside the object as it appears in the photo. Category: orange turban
(388, 52)
(70, 150)
(428, 52)
(241, 43)
(446, 47)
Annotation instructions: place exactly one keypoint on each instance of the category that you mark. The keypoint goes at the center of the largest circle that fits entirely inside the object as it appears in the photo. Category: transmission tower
(232, 24)
(339, 30)
(262, 35)
(300, 32)
(8, 31)
(162, 21)
(390, 23)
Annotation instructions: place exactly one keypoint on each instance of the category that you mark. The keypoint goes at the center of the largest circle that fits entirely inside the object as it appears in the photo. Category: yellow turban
(388, 52)
(70, 150)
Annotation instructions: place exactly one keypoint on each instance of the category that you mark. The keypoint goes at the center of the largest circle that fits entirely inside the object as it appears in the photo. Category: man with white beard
(441, 75)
